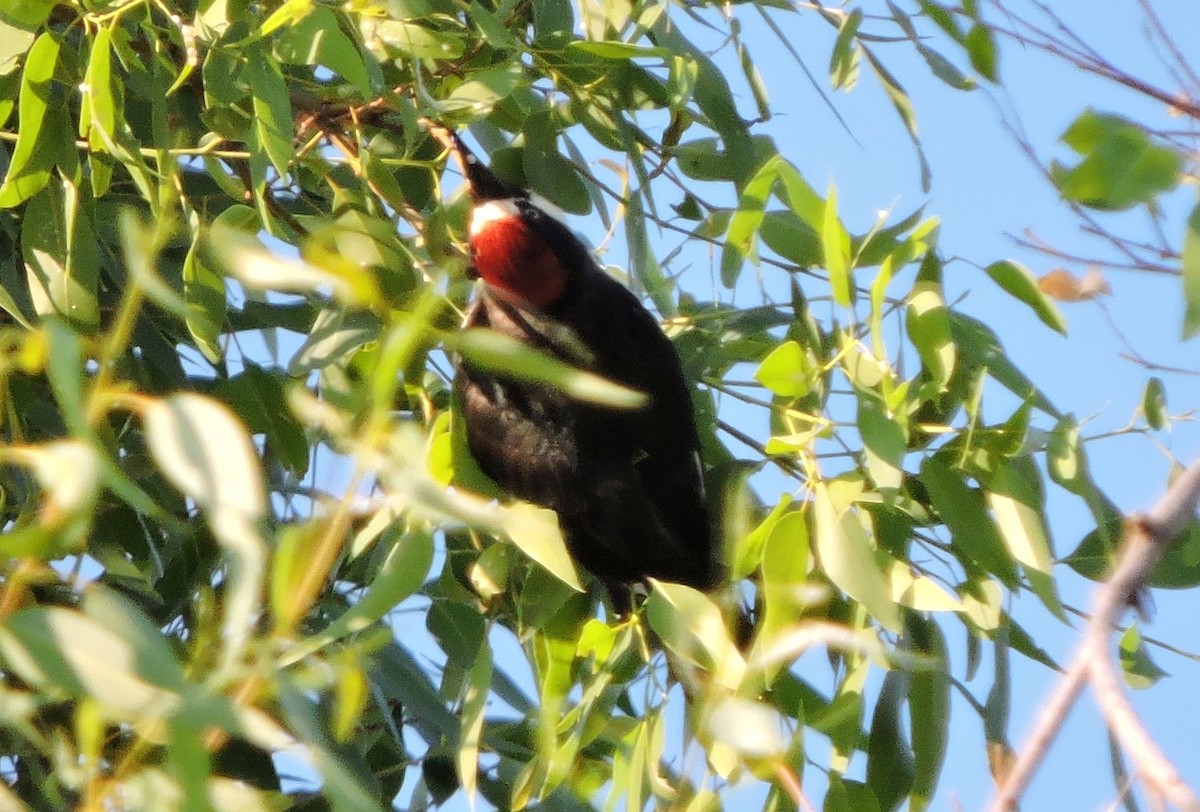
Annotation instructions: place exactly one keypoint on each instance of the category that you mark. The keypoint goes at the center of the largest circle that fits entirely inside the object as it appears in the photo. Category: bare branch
(1146, 539)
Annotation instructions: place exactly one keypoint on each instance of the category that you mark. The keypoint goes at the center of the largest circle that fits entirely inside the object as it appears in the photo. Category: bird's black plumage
(627, 484)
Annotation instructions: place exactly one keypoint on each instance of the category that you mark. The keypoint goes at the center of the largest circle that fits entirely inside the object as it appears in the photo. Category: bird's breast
(508, 254)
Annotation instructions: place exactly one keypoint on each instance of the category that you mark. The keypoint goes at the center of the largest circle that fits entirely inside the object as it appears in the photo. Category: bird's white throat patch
(493, 211)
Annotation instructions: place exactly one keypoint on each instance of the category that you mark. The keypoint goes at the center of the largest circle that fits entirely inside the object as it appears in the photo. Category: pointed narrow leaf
(498, 352)
(1019, 283)
(1191, 275)
(848, 557)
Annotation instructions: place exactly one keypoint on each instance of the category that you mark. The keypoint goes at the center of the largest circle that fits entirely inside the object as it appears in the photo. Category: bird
(627, 484)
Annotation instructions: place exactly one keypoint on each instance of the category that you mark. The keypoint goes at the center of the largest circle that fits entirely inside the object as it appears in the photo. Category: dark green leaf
(889, 756)
(1154, 403)
(61, 261)
(966, 517)
(273, 127)
(928, 710)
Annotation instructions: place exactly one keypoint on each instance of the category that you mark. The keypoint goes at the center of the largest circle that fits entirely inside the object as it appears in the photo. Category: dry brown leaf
(1064, 286)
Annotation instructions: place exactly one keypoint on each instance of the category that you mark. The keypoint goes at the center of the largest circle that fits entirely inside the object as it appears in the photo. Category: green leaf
(552, 18)
(965, 515)
(981, 47)
(847, 556)
(1014, 496)
(843, 61)
(318, 39)
(1139, 670)
(34, 153)
(835, 250)
(70, 655)
(28, 14)
(904, 107)
(744, 225)
(258, 397)
(928, 324)
(1121, 167)
(535, 532)
(479, 680)
(484, 89)
(62, 264)
(334, 337)
(499, 353)
(346, 780)
(459, 630)
(407, 39)
(555, 178)
(978, 348)
(889, 757)
(205, 452)
(204, 300)
(846, 795)
(691, 626)
(885, 442)
(643, 265)
(1190, 267)
(787, 370)
(100, 107)
(791, 237)
(1179, 567)
(928, 710)
(273, 126)
(784, 568)
(1154, 403)
(618, 50)
(1019, 283)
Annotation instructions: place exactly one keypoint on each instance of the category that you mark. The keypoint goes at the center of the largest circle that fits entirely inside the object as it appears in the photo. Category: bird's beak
(481, 181)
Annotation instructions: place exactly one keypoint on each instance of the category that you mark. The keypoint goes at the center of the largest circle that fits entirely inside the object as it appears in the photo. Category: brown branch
(1146, 539)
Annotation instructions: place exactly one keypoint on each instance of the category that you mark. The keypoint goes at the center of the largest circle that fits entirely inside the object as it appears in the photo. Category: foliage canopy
(233, 264)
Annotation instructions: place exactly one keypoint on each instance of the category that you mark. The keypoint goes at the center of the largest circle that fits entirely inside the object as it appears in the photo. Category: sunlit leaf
(1014, 498)
(72, 655)
(786, 371)
(32, 157)
(848, 557)
(1139, 670)
(204, 450)
(500, 353)
(1190, 265)
(1019, 283)
(691, 626)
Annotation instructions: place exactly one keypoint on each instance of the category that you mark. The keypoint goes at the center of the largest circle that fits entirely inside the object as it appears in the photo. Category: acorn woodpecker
(627, 485)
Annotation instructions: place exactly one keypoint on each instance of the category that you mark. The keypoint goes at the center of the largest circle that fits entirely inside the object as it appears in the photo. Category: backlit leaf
(1121, 165)
(848, 557)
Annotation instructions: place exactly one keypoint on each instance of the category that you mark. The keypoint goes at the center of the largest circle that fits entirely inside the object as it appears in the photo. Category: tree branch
(1146, 538)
